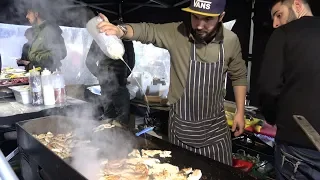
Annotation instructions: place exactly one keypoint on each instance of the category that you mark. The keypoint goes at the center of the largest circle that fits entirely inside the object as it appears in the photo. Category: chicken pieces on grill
(140, 165)
(143, 166)
(60, 143)
(152, 153)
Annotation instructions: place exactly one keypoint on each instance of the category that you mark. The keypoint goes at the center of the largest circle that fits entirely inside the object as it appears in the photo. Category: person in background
(289, 85)
(281, 14)
(201, 52)
(24, 61)
(112, 76)
(48, 47)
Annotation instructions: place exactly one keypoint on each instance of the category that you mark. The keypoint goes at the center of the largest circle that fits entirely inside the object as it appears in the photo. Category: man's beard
(292, 16)
(32, 23)
(206, 36)
(203, 34)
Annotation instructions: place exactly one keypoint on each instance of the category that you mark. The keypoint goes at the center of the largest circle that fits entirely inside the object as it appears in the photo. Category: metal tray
(55, 167)
(24, 79)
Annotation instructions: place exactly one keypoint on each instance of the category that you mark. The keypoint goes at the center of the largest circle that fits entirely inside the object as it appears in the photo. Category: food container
(22, 94)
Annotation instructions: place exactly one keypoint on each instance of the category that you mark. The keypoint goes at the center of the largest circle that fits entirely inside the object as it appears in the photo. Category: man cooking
(48, 47)
(289, 85)
(201, 53)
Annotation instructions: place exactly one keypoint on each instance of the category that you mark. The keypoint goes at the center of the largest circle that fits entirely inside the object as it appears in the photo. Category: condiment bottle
(110, 45)
(59, 87)
(35, 87)
(47, 88)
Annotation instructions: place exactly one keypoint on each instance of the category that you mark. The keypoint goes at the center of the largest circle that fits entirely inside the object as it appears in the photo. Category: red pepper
(243, 165)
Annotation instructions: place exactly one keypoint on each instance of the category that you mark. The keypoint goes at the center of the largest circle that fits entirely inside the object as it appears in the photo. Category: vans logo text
(202, 4)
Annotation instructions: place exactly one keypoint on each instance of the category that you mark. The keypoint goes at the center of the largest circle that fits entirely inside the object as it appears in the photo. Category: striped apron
(197, 120)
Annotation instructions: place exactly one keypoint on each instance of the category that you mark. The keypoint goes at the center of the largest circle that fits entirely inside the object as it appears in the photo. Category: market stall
(251, 152)
(17, 101)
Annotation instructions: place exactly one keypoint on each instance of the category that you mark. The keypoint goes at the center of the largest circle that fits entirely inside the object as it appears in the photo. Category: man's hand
(24, 62)
(109, 29)
(238, 124)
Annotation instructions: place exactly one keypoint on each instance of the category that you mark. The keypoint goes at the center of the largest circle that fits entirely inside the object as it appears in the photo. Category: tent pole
(250, 51)
(120, 12)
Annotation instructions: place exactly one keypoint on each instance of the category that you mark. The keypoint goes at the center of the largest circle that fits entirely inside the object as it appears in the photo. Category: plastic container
(111, 45)
(22, 94)
(47, 88)
(35, 87)
(59, 88)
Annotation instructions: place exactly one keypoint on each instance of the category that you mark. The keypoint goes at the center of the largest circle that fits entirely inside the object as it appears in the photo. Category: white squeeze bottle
(47, 88)
(111, 45)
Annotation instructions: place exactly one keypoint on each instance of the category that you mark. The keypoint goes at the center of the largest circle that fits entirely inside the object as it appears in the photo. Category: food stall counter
(13, 111)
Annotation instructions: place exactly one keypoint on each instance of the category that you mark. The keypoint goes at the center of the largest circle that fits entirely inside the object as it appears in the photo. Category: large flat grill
(38, 162)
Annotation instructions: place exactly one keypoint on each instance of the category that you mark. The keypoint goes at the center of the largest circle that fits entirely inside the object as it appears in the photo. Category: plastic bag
(111, 45)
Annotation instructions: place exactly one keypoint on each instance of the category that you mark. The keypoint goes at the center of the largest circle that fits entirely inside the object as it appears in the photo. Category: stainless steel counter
(12, 111)
(9, 107)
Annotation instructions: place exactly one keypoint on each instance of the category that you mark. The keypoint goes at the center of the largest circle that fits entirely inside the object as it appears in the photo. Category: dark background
(77, 13)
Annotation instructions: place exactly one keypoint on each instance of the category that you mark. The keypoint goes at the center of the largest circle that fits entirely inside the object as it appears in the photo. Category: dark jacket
(48, 47)
(25, 50)
(95, 55)
(289, 80)
(24, 56)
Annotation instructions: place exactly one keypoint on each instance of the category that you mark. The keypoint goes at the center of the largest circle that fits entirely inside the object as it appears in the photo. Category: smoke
(105, 144)
(64, 12)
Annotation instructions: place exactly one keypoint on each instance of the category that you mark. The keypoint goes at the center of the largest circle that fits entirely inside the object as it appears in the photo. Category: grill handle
(42, 174)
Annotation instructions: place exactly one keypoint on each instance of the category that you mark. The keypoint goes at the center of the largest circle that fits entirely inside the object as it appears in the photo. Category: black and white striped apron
(197, 120)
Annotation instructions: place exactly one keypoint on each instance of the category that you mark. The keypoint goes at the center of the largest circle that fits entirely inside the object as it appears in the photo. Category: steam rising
(65, 12)
(104, 144)
(85, 159)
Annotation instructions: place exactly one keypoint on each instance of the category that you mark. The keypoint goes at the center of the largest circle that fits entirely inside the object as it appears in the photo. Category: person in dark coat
(24, 60)
(112, 76)
(289, 85)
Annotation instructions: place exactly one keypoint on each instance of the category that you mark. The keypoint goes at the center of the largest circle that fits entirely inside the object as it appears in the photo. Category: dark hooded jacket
(48, 47)
(98, 62)
(112, 76)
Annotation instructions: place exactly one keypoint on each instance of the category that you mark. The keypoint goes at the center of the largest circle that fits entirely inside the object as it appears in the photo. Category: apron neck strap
(193, 53)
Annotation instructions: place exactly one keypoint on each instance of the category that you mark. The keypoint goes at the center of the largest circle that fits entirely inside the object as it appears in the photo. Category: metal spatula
(312, 134)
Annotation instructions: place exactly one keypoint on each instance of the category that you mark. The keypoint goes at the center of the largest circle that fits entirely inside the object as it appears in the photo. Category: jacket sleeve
(24, 55)
(237, 69)
(160, 35)
(271, 79)
(25, 49)
(94, 55)
(55, 47)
